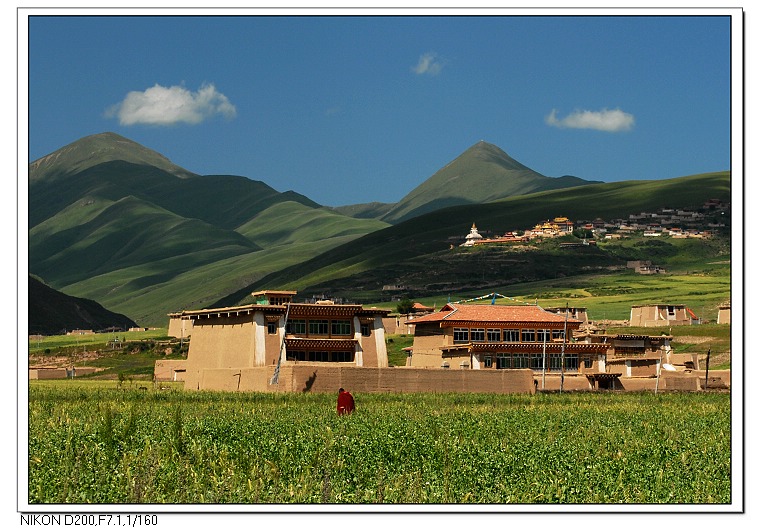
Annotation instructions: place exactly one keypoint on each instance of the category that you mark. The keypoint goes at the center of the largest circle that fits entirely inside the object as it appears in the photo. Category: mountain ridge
(52, 312)
(99, 148)
(146, 240)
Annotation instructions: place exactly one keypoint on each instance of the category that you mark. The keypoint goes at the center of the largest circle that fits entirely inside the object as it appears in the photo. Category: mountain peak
(480, 174)
(489, 152)
(100, 148)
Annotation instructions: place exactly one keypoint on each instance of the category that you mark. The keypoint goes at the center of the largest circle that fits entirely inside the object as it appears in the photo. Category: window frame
(316, 325)
(341, 327)
(461, 332)
(510, 334)
(294, 325)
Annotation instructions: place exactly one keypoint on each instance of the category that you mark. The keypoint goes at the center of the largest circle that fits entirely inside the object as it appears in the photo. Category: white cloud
(172, 105)
(429, 64)
(604, 120)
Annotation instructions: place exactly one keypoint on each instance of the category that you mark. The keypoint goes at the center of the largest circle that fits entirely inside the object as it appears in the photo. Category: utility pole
(562, 357)
(543, 363)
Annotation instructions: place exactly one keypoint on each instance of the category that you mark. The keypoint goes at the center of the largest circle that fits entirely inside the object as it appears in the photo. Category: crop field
(94, 443)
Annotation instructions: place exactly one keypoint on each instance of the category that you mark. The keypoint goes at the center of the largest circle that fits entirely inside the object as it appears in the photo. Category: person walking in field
(346, 403)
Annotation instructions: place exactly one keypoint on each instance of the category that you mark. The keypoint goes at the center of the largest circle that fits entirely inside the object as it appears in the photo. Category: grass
(130, 358)
(395, 345)
(100, 444)
(610, 295)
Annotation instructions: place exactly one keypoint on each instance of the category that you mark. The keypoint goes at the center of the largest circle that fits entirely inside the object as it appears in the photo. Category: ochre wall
(306, 377)
(319, 378)
(427, 349)
(179, 328)
(55, 373)
(552, 382)
(650, 316)
(164, 369)
(220, 343)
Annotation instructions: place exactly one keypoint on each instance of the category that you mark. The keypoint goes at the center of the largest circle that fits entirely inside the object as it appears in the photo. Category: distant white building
(472, 237)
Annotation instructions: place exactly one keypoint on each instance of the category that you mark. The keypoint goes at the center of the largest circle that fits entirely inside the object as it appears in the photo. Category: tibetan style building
(500, 337)
(274, 330)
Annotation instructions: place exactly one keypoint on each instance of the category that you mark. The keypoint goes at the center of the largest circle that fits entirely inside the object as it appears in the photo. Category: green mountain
(113, 221)
(52, 312)
(418, 253)
(482, 173)
(93, 150)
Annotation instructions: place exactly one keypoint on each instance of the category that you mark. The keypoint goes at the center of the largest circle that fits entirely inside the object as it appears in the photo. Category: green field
(610, 296)
(91, 442)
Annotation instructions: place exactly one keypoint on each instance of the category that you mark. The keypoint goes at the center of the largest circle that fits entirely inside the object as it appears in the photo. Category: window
(558, 334)
(341, 327)
(555, 362)
(588, 361)
(477, 334)
(521, 361)
(296, 326)
(503, 361)
(671, 311)
(512, 335)
(528, 335)
(543, 335)
(571, 362)
(318, 355)
(366, 329)
(461, 335)
(318, 327)
(493, 334)
(537, 361)
(345, 356)
(272, 327)
(488, 361)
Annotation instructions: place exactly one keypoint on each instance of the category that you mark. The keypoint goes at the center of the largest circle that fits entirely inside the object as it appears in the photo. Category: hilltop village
(676, 223)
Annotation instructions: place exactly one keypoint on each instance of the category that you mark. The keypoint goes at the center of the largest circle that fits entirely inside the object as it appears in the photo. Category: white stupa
(470, 239)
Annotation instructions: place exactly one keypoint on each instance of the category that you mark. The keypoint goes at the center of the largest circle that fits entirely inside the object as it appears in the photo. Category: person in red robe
(345, 402)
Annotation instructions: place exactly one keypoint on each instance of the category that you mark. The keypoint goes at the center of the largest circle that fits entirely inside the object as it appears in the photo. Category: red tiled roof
(494, 313)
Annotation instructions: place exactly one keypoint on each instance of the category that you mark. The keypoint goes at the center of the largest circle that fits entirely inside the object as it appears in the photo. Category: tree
(405, 306)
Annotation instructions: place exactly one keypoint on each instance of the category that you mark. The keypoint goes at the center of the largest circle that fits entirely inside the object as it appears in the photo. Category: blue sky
(350, 109)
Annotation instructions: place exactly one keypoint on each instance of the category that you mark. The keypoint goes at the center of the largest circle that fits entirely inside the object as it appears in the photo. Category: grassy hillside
(391, 255)
(113, 221)
(95, 236)
(610, 295)
(292, 222)
(150, 291)
(366, 210)
(118, 223)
